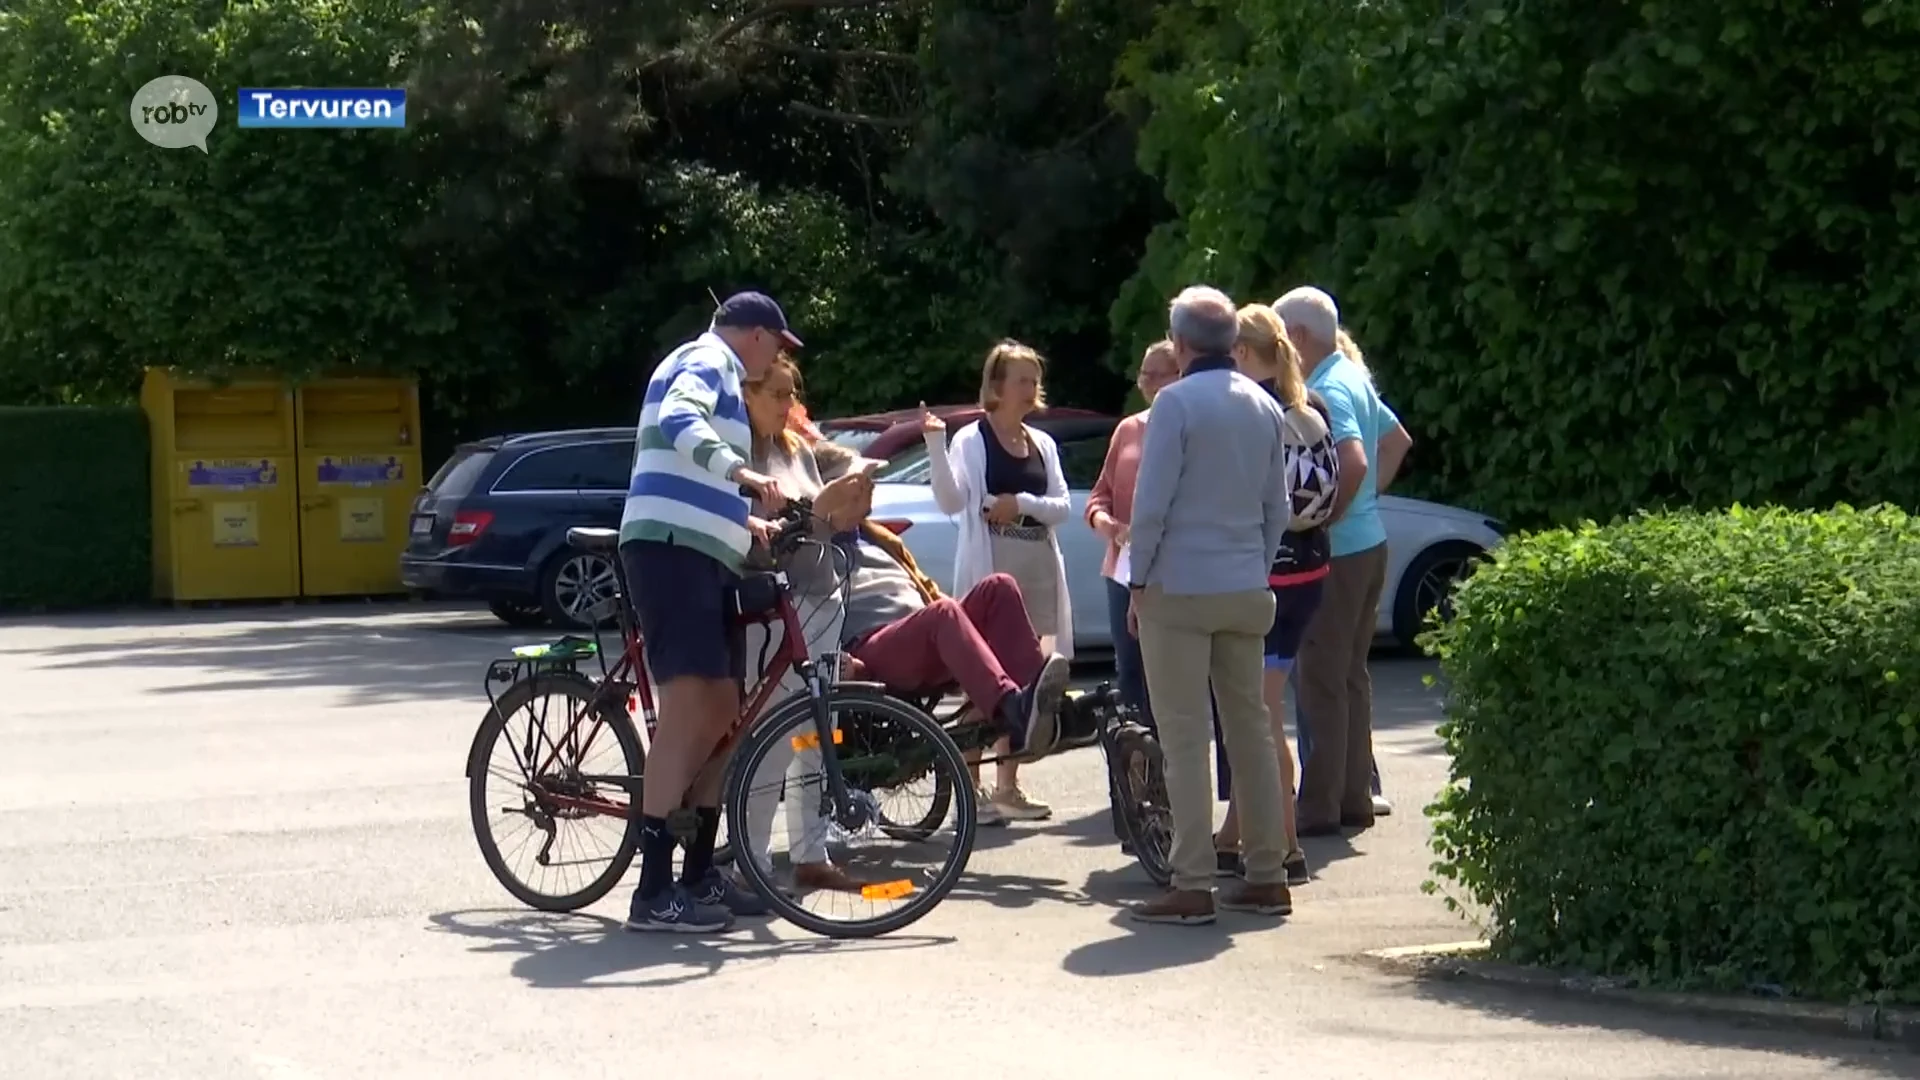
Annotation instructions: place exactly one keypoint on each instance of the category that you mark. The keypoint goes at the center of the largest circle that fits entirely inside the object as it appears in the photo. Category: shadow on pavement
(1014, 891)
(1572, 1013)
(1142, 947)
(1095, 830)
(591, 951)
(376, 653)
(1092, 830)
(1401, 697)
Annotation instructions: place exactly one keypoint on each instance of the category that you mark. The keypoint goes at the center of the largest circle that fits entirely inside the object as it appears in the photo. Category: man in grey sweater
(1209, 511)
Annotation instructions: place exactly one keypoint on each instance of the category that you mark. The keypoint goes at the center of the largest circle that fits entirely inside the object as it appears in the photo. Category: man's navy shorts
(683, 600)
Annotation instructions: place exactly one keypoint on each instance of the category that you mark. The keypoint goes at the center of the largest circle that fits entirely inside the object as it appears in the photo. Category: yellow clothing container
(359, 473)
(224, 521)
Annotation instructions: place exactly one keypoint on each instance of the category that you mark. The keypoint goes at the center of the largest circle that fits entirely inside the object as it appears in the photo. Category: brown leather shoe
(1258, 899)
(824, 875)
(1179, 907)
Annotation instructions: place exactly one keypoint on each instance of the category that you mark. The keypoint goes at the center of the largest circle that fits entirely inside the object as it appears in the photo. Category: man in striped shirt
(684, 537)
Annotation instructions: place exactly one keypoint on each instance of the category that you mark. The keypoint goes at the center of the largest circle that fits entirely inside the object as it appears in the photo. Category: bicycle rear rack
(528, 661)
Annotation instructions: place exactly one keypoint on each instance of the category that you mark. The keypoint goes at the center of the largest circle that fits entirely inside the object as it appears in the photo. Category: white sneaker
(1381, 807)
(988, 814)
(1015, 804)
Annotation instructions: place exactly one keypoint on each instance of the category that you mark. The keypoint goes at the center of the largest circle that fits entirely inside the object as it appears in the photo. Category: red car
(882, 435)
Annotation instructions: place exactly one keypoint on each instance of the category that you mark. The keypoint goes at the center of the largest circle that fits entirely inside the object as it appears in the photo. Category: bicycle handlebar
(794, 520)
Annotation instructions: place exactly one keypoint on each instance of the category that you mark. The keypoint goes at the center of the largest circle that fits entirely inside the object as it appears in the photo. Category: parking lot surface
(235, 843)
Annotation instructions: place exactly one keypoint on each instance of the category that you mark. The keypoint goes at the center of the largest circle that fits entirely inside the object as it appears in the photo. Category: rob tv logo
(174, 111)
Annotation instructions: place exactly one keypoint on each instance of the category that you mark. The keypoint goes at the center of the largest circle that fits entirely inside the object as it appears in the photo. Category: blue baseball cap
(755, 311)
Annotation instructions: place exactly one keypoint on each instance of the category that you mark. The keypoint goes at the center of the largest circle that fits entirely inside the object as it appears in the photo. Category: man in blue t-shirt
(1335, 693)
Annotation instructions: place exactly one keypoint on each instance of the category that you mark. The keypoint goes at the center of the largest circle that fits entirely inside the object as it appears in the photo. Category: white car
(1429, 545)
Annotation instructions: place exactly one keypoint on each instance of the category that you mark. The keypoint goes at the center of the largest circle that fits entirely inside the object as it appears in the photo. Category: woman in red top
(1110, 513)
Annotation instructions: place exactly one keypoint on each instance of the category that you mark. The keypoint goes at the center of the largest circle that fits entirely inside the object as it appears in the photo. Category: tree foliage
(574, 181)
(1601, 255)
(1022, 153)
(272, 249)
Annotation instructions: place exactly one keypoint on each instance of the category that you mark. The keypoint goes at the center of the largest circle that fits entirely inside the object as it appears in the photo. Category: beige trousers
(1185, 640)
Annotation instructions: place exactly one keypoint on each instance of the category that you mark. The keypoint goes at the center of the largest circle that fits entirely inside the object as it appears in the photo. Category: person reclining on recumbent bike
(902, 632)
(898, 629)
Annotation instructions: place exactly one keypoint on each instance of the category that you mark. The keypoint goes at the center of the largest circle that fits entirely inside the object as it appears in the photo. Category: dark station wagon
(492, 524)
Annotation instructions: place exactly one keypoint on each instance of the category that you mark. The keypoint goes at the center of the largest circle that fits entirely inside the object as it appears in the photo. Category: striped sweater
(693, 432)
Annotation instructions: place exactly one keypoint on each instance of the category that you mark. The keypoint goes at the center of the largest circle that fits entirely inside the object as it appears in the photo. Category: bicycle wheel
(779, 780)
(871, 735)
(567, 771)
(1140, 776)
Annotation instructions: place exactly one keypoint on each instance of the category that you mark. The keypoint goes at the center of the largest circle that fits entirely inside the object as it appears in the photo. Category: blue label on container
(361, 471)
(230, 473)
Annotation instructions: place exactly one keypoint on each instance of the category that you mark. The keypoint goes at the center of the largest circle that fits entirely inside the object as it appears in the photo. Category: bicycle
(898, 743)
(1137, 772)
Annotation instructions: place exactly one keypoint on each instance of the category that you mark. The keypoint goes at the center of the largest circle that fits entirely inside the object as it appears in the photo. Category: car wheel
(1428, 584)
(519, 614)
(574, 586)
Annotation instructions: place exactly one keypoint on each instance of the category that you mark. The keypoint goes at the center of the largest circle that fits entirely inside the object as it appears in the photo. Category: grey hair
(1312, 312)
(1203, 319)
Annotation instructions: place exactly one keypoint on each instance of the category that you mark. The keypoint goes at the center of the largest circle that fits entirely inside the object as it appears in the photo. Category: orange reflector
(811, 740)
(886, 890)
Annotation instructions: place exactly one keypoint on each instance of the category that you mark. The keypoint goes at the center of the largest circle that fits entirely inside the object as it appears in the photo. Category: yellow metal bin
(223, 490)
(359, 442)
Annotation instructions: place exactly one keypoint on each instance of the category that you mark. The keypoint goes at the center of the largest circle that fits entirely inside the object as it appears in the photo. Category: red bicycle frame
(789, 656)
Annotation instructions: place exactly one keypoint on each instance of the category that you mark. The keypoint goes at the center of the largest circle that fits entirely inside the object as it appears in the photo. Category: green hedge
(1684, 749)
(75, 514)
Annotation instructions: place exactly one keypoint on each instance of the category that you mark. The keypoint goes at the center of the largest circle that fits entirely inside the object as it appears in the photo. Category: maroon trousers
(983, 641)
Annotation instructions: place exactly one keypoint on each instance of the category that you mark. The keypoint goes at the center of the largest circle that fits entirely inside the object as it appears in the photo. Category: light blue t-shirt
(1357, 413)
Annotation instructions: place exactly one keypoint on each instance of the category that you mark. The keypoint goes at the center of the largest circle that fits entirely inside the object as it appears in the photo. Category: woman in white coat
(1001, 478)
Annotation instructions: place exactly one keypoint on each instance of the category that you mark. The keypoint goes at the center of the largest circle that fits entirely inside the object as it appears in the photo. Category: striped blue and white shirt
(693, 432)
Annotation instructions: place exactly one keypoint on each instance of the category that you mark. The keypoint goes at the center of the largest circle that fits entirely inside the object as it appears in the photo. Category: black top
(1310, 550)
(1009, 475)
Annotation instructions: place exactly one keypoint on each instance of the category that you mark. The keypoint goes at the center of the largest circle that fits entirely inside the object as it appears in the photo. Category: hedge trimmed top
(1683, 747)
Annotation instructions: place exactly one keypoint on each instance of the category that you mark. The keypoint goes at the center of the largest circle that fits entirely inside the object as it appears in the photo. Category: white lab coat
(959, 475)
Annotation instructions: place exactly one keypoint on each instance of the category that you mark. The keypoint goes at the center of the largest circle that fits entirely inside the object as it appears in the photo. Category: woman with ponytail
(1264, 355)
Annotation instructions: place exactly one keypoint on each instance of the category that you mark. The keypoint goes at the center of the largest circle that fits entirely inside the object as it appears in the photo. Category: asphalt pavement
(234, 843)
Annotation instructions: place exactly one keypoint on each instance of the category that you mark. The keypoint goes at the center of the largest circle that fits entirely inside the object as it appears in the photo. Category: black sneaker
(717, 890)
(1227, 864)
(1033, 714)
(1298, 872)
(674, 912)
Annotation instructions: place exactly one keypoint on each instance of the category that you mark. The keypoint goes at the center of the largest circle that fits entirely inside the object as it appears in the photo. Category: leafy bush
(75, 515)
(1573, 238)
(1683, 748)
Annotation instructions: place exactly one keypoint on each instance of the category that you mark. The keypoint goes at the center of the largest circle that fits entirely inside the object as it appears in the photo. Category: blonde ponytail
(1349, 348)
(1263, 333)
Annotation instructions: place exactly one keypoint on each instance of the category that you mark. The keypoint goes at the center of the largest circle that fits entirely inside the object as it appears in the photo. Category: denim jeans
(1128, 670)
